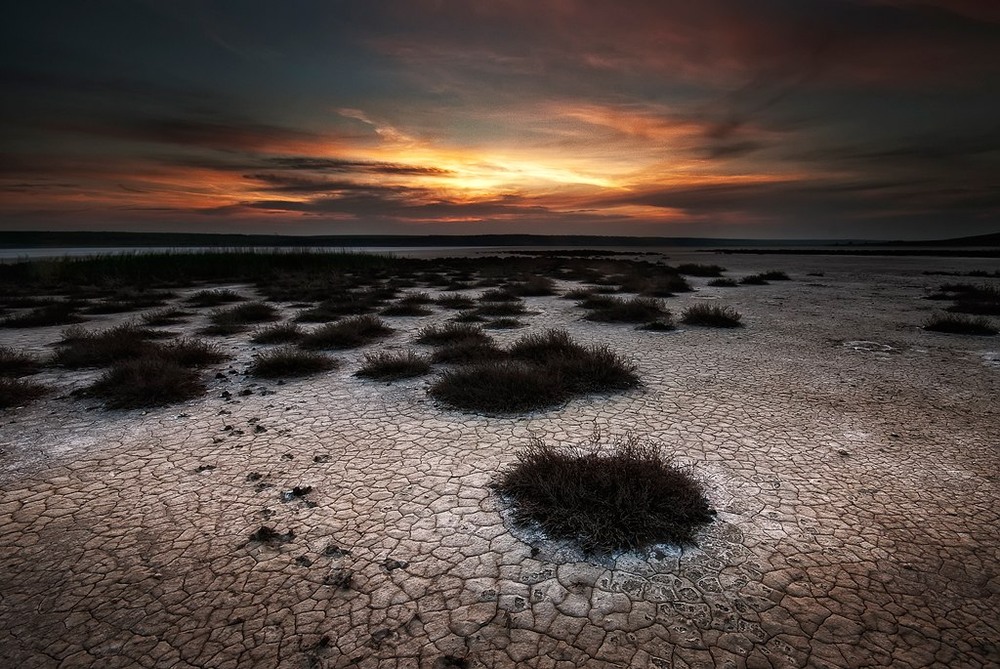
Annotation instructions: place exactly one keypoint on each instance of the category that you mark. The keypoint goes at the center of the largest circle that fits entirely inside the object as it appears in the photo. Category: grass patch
(449, 333)
(168, 316)
(754, 280)
(190, 353)
(606, 309)
(978, 300)
(957, 324)
(662, 325)
(282, 333)
(57, 313)
(290, 362)
(504, 324)
(348, 333)
(15, 363)
(352, 303)
(493, 309)
(213, 298)
(386, 366)
(416, 298)
(536, 286)
(693, 269)
(19, 392)
(406, 309)
(237, 319)
(539, 371)
(87, 348)
(712, 316)
(468, 317)
(128, 300)
(457, 302)
(468, 351)
(625, 497)
(722, 283)
(579, 294)
(149, 381)
(499, 295)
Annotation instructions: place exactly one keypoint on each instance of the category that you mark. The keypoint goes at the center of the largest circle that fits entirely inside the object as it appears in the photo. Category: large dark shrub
(537, 372)
(626, 497)
(498, 387)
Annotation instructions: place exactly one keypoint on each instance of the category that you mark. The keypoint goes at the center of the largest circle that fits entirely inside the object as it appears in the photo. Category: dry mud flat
(852, 458)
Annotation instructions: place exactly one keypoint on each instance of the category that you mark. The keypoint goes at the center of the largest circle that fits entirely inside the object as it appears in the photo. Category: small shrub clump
(86, 348)
(969, 299)
(623, 498)
(493, 309)
(128, 300)
(449, 333)
(188, 352)
(348, 333)
(536, 286)
(606, 309)
(237, 319)
(754, 280)
(386, 366)
(457, 302)
(282, 333)
(290, 362)
(15, 363)
(722, 283)
(955, 324)
(168, 316)
(57, 313)
(499, 295)
(213, 298)
(149, 381)
(775, 275)
(406, 309)
(712, 316)
(692, 269)
(19, 392)
(504, 324)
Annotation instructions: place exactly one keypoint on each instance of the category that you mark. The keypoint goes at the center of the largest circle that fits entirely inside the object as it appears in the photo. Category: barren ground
(852, 457)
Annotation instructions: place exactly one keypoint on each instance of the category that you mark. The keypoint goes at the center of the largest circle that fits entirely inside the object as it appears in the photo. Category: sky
(798, 119)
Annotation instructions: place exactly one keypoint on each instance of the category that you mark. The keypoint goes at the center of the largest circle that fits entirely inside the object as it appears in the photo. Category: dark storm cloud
(342, 165)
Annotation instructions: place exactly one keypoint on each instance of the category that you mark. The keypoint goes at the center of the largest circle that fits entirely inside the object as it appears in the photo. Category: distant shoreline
(982, 245)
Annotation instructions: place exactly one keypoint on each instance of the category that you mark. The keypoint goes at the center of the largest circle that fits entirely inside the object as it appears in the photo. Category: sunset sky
(722, 118)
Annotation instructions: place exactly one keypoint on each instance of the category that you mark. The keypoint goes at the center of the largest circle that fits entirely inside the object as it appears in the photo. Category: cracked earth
(851, 456)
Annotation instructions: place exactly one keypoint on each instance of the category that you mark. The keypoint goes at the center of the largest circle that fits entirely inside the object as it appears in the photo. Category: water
(21, 254)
